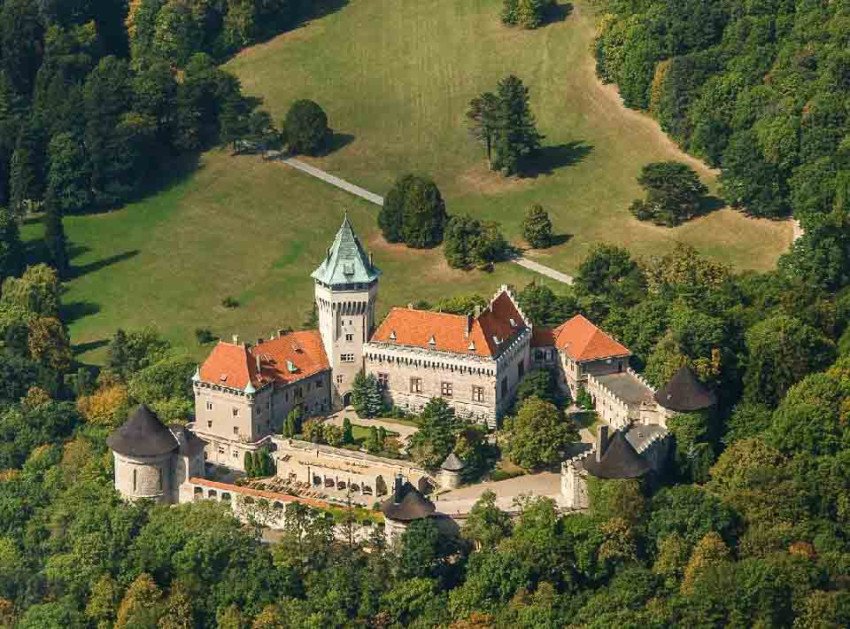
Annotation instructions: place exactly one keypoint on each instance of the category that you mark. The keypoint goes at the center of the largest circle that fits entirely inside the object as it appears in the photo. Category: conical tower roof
(452, 463)
(684, 393)
(406, 504)
(346, 261)
(143, 434)
(620, 460)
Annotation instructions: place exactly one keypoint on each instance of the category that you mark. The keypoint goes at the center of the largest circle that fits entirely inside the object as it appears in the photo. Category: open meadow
(395, 77)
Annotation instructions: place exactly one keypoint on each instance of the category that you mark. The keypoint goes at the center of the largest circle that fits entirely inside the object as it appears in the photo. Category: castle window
(236, 430)
(235, 412)
(349, 337)
(416, 385)
(446, 389)
(209, 406)
(209, 424)
(159, 479)
(346, 358)
(477, 394)
(383, 380)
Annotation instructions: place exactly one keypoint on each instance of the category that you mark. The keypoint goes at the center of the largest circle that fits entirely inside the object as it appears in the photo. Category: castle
(244, 391)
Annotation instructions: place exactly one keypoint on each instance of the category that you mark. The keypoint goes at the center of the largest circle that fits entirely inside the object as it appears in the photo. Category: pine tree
(347, 431)
(11, 250)
(359, 393)
(54, 239)
(482, 120)
(374, 398)
(516, 135)
(26, 178)
(249, 465)
(68, 174)
(537, 227)
(373, 442)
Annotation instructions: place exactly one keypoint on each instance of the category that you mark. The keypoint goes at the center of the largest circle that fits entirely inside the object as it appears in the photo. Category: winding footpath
(371, 197)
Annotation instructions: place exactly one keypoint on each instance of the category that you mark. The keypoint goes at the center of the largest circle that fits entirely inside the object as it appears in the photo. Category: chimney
(236, 339)
(399, 483)
(601, 441)
(477, 311)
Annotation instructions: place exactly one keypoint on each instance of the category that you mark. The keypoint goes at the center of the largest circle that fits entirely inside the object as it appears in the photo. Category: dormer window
(392, 335)
(471, 346)
(497, 340)
(223, 377)
(291, 367)
(432, 341)
(513, 323)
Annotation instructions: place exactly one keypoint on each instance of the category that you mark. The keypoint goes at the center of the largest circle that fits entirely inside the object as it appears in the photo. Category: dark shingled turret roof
(143, 434)
(685, 393)
(620, 460)
(452, 463)
(406, 504)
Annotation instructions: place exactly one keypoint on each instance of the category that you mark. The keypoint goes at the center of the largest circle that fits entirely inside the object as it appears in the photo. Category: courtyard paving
(459, 501)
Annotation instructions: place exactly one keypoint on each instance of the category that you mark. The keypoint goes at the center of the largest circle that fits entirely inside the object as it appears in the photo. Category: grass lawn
(241, 227)
(395, 77)
(361, 433)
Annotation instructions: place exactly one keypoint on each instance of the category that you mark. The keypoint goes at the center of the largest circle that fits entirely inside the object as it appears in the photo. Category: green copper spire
(346, 262)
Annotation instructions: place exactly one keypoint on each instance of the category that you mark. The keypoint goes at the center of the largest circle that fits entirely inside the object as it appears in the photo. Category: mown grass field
(237, 227)
(395, 77)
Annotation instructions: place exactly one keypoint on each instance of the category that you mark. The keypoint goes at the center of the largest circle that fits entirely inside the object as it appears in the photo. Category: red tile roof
(285, 359)
(542, 337)
(485, 335)
(582, 341)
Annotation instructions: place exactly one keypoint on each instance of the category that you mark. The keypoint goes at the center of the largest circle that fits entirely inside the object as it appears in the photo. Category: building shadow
(84, 269)
(547, 159)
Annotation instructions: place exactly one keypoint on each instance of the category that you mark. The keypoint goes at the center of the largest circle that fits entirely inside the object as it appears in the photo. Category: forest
(759, 89)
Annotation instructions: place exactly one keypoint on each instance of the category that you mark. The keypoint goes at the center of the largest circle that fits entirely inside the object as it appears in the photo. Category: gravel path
(342, 184)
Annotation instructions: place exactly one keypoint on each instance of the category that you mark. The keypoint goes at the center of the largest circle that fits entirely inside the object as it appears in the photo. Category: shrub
(413, 213)
(673, 194)
(537, 227)
(204, 336)
(230, 302)
(305, 129)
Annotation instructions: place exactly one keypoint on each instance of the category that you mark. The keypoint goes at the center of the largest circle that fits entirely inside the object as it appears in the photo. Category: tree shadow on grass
(77, 310)
(709, 204)
(336, 142)
(548, 159)
(82, 348)
(84, 269)
(557, 13)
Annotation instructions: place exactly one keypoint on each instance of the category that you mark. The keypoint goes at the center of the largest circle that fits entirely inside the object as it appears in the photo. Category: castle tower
(346, 285)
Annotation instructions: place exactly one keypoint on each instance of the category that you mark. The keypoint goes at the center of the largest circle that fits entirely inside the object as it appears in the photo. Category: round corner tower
(145, 453)
(346, 286)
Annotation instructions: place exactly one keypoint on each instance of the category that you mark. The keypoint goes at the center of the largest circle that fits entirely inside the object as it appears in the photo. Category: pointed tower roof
(346, 261)
(452, 463)
(407, 503)
(620, 460)
(684, 393)
(143, 434)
